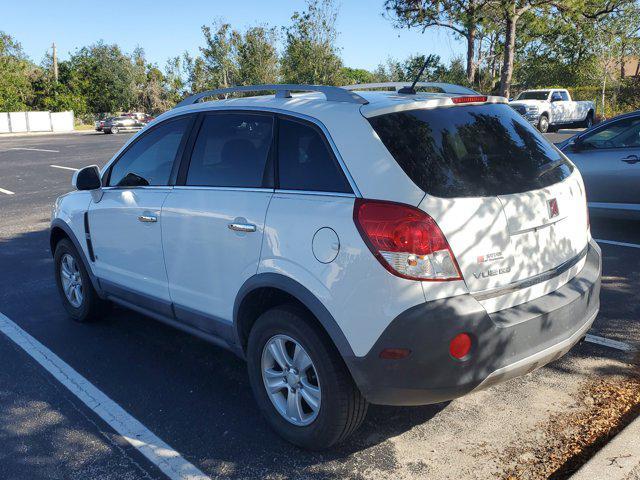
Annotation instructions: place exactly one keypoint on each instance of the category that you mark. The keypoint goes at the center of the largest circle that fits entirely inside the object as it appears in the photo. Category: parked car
(551, 109)
(100, 123)
(354, 247)
(608, 157)
(124, 123)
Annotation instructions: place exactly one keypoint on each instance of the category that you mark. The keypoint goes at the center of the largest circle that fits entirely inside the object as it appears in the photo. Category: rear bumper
(506, 344)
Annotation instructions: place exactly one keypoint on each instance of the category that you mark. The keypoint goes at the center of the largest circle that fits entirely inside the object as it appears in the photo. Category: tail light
(469, 99)
(405, 240)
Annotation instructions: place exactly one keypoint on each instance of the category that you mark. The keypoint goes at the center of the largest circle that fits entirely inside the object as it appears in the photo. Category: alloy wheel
(71, 280)
(291, 380)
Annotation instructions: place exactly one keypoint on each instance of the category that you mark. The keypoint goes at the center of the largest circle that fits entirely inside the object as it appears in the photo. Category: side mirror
(87, 178)
(576, 145)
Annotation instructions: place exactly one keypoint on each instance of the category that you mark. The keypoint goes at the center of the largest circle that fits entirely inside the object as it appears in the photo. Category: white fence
(19, 122)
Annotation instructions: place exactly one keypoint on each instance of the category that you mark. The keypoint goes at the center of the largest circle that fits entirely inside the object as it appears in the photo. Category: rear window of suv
(470, 151)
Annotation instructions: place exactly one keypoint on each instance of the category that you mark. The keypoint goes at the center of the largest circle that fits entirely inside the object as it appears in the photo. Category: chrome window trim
(145, 187)
(314, 192)
(531, 281)
(226, 189)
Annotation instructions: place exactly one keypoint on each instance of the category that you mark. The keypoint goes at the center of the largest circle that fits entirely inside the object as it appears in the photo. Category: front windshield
(533, 95)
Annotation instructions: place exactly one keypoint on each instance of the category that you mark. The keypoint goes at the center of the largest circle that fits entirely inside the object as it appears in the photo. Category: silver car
(608, 156)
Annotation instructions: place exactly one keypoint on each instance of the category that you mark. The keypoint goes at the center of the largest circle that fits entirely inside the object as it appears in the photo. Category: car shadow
(193, 395)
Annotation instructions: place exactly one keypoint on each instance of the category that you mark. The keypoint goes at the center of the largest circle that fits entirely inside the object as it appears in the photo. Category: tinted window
(231, 151)
(533, 95)
(621, 134)
(152, 155)
(555, 97)
(468, 151)
(305, 161)
(564, 96)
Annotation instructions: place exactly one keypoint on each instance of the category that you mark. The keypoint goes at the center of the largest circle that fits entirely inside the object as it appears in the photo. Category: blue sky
(166, 28)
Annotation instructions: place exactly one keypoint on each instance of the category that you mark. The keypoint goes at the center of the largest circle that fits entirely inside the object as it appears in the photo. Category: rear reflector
(460, 346)
(469, 99)
(394, 353)
(405, 240)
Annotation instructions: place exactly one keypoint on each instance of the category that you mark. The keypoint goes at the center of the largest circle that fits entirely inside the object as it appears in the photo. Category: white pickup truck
(552, 108)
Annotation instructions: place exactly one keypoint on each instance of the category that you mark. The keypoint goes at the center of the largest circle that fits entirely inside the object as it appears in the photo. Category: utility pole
(55, 64)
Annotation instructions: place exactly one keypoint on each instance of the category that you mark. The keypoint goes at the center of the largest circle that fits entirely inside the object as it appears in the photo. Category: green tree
(310, 54)
(219, 68)
(463, 17)
(352, 76)
(256, 56)
(16, 75)
(104, 76)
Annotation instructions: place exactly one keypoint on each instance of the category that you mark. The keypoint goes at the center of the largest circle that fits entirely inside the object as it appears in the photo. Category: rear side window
(470, 151)
(152, 155)
(231, 151)
(305, 161)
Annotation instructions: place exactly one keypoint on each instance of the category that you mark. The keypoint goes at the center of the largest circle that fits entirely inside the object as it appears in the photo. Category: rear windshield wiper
(552, 166)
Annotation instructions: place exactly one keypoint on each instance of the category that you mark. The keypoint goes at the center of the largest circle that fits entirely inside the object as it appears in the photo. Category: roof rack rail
(332, 94)
(445, 87)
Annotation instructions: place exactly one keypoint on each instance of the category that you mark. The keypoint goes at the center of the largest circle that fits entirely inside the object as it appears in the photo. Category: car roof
(315, 105)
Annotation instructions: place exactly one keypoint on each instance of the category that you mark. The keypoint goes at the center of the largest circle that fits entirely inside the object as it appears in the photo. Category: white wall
(62, 121)
(18, 121)
(13, 122)
(4, 122)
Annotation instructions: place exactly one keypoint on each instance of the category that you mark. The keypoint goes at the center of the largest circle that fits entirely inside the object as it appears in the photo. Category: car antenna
(412, 89)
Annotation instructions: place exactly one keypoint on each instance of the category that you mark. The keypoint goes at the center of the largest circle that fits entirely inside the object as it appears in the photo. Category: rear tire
(342, 408)
(78, 296)
(588, 123)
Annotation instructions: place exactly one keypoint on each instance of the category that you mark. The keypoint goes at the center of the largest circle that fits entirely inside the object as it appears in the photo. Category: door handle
(631, 159)
(242, 227)
(148, 218)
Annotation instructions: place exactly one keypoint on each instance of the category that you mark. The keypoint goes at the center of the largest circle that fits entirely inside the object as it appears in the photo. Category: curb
(617, 459)
(41, 134)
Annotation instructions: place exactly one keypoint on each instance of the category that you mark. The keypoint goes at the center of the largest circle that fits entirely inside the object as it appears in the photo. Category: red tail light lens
(469, 99)
(405, 240)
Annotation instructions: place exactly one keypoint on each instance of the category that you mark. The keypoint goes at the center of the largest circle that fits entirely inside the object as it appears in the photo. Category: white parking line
(35, 149)
(64, 168)
(620, 244)
(146, 442)
(607, 342)
(8, 192)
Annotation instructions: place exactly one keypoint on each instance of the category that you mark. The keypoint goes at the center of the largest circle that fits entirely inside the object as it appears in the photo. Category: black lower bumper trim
(508, 337)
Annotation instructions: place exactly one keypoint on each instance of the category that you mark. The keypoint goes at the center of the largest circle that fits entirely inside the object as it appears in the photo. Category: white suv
(389, 247)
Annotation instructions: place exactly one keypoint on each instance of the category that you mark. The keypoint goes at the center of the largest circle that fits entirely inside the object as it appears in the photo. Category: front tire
(78, 296)
(300, 382)
(543, 124)
(115, 130)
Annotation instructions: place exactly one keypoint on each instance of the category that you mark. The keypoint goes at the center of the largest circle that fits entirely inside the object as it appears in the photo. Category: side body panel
(360, 294)
(206, 261)
(611, 175)
(128, 251)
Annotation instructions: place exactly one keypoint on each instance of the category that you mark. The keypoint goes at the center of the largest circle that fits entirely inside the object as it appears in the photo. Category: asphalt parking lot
(196, 397)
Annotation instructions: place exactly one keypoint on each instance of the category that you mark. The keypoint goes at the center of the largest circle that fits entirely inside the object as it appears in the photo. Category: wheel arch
(267, 290)
(60, 230)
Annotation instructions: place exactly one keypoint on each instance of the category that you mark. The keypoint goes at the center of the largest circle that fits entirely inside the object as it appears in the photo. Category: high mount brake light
(405, 240)
(469, 99)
